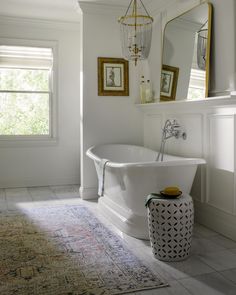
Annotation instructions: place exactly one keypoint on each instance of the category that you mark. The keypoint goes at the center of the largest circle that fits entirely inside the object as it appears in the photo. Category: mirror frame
(208, 49)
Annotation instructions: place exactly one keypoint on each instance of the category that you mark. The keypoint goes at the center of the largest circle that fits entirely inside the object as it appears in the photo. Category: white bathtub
(132, 173)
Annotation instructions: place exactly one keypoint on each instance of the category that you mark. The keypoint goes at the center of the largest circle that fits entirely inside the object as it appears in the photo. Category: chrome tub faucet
(171, 129)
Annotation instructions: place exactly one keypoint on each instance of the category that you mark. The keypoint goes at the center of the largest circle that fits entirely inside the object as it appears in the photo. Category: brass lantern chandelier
(136, 31)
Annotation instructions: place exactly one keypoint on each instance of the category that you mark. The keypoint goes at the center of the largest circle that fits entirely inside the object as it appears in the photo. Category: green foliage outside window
(196, 93)
(24, 113)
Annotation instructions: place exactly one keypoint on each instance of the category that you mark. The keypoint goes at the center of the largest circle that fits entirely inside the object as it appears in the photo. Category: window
(25, 91)
(197, 84)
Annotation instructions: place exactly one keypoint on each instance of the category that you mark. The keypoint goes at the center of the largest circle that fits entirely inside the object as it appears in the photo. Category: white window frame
(51, 138)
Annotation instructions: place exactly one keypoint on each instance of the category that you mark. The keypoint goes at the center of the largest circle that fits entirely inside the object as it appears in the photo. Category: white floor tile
(233, 250)
(230, 275)
(41, 193)
(16, 196)
(192, 266)
(209, 284)
(202, 246)
(219, 261)
(17, 193)
(223, 241)
(175, 288)
(66, 191)
(201, 231)
(171, 271)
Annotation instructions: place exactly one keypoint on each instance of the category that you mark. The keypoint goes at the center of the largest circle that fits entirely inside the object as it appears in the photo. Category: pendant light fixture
(136, 31)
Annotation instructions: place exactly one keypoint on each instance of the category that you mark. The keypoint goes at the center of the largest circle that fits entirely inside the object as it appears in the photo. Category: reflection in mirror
(186, 48)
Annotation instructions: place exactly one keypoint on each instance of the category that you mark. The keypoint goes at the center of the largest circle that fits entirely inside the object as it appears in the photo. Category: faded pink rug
(66, 250)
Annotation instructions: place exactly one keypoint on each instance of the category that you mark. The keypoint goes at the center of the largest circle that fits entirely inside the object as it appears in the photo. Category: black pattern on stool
(170, 227)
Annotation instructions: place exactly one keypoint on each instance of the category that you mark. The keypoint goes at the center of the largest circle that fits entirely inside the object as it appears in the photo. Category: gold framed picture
(169, 79)
(113, 76)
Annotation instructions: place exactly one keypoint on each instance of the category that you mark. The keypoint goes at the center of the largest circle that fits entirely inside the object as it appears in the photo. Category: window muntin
(25, 90)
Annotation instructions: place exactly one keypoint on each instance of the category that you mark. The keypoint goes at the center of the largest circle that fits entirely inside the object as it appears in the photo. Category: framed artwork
(113, 76)
(169, 78)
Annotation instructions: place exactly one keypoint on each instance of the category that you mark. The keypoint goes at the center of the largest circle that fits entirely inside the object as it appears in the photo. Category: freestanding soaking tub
(128, 174)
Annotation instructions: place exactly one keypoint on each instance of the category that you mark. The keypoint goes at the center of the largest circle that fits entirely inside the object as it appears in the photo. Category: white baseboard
(32, 182)
(88, 193)
(215, 219)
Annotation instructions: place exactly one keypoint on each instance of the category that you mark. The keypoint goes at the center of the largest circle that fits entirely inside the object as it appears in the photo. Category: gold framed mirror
(186, 47)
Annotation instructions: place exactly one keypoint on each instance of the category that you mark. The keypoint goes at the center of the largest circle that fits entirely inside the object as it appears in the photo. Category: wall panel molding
(220, 169)
(211, 127)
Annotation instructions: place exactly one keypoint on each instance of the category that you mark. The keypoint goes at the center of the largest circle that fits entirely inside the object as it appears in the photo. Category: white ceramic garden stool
(170, 224)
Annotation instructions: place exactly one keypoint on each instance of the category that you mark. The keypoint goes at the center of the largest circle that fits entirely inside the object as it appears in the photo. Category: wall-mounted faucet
(171, 129)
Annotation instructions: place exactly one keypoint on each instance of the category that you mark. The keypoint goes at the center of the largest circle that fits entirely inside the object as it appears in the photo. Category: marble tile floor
(210, 270)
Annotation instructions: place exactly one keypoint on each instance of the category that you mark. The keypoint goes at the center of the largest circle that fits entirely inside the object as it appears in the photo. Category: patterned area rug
(66, 250)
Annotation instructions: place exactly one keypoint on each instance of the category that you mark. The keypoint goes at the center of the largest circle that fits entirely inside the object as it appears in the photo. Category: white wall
(104, 119)
(35, 164)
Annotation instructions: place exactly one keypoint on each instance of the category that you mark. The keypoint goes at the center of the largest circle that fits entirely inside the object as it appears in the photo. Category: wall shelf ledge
(209, 102)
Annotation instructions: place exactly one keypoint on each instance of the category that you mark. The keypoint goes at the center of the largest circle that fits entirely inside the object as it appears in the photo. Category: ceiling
(65, 10)
(117, 2)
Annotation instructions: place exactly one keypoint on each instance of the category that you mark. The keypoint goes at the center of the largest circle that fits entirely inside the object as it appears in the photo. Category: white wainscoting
(221, 168)
(211, 128)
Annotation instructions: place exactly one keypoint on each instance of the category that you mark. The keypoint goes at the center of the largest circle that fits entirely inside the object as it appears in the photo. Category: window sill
(27, 141)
